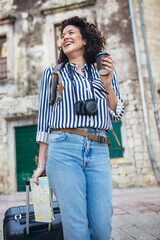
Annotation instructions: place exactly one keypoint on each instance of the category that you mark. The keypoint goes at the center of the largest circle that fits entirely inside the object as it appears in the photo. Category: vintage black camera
(87, 107)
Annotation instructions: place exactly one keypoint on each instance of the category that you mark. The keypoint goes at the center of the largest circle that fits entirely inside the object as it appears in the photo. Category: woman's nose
(66, 36)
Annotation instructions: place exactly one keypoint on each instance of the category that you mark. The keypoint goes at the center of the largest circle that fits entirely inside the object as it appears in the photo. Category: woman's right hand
(39, 172)
(41, 169)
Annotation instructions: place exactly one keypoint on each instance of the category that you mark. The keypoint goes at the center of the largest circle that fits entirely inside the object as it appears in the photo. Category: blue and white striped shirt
(63, 113)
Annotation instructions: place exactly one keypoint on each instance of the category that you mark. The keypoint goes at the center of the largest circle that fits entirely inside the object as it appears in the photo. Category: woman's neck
(79, 62)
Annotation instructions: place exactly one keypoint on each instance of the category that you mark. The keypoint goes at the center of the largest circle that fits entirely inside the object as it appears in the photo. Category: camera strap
(70, 73)
(56, 81)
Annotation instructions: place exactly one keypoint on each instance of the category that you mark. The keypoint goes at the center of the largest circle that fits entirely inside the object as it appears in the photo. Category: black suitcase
(19, 223)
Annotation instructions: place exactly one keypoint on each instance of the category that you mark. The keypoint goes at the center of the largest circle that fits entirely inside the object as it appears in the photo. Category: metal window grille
(3, 58)
(3, 68)
(58, 40)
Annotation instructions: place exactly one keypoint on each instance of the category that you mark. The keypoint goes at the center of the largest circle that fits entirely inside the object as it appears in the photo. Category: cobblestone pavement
(136, 212)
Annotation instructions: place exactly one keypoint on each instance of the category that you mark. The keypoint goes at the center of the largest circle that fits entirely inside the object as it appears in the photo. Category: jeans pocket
(57, 136)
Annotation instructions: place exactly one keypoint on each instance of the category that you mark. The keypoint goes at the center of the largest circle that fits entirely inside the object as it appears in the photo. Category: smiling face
(72, 42)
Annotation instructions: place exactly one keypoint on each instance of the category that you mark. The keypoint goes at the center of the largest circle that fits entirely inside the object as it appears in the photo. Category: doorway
(26, 154)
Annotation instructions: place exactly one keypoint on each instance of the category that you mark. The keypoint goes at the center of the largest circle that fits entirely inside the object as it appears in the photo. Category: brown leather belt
(91, 136)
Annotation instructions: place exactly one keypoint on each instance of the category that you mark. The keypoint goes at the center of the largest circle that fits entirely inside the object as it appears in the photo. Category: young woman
(72, 134)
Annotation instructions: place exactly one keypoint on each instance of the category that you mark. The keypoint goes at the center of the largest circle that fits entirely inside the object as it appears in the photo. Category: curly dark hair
(95, 40)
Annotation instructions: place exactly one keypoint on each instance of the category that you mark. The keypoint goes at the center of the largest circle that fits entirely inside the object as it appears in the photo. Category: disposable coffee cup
(100, 67)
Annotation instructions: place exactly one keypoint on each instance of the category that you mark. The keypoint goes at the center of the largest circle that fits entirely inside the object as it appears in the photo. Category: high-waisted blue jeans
(79, 172)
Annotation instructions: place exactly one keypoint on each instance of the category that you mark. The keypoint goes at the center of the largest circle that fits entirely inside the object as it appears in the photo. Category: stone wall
(31, 48)
(139, 171)
(152, 22)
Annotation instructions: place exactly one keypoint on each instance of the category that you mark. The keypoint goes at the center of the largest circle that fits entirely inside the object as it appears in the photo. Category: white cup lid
(103, 72)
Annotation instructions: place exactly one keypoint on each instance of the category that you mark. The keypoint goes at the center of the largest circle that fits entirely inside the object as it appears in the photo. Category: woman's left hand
(108, 64)
(107, 81)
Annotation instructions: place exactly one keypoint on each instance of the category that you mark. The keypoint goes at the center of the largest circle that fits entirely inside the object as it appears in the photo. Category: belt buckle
(100, 139)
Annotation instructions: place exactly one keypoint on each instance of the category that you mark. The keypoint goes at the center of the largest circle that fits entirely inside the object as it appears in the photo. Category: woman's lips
(67, 44)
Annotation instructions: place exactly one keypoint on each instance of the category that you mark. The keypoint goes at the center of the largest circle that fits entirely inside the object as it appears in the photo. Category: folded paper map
(42, 200)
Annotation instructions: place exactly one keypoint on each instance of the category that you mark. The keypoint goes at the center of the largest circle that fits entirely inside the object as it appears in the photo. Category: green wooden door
(26, 154)
(115, 150)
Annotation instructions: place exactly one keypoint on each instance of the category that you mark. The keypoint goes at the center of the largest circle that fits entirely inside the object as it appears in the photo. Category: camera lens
(91, 107)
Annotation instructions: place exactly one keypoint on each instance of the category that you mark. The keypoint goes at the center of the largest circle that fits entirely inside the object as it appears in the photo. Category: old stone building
(29, 38)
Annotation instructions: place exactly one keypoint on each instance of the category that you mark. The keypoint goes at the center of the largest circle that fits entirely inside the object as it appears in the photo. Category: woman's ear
(85, 42)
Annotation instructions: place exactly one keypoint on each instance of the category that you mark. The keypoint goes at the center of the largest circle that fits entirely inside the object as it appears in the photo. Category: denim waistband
(96, 131)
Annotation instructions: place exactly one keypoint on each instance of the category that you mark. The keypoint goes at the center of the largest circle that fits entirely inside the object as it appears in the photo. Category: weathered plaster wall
(116, 25)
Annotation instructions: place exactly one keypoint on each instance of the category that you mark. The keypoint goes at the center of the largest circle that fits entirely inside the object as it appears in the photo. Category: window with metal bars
(3, 57)
(57, 28)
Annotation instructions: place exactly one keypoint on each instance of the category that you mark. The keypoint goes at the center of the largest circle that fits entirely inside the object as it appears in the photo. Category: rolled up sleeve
(44, 108)
(117, 115)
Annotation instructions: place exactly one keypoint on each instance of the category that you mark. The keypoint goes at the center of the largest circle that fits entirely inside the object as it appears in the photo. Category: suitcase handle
(38, 230)
(27, 208)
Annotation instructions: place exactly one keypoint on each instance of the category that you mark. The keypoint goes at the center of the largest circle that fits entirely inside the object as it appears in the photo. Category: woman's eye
(63, 35)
